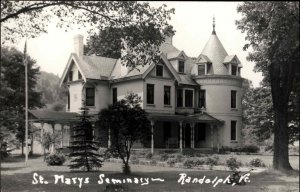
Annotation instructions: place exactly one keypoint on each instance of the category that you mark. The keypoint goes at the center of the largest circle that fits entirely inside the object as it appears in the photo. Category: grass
(15, 177)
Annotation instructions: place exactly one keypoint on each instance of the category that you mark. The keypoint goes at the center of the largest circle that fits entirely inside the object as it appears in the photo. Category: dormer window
(181, 66)
(201, 69)
(234, 70)
(159, 70)
(71, 76)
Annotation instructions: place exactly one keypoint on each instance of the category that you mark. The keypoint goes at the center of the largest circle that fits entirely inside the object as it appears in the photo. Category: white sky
(192, 22)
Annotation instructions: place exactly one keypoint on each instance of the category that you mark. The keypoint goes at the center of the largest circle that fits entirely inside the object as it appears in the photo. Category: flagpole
(26, 104)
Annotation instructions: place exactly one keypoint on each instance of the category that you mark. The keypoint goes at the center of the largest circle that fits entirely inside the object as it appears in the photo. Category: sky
(192, 22)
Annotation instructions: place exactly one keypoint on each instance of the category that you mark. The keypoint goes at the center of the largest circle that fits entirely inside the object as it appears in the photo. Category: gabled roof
(176, 55)
(186, 80)
(91, 67)
(203, 59)
(232, 59)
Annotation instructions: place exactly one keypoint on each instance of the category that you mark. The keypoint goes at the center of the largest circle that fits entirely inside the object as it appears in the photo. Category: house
(191, 102)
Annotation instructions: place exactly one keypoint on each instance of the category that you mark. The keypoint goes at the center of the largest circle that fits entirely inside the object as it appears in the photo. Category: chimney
(169, 39)
(78, 45)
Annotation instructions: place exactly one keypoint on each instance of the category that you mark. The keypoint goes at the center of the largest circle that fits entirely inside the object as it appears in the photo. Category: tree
(146, 25)
(273, 33)
(83, 147)
(12, 100)
(128, 123)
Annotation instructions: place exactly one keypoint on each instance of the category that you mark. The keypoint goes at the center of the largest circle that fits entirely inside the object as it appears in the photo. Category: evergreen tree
(83, 147)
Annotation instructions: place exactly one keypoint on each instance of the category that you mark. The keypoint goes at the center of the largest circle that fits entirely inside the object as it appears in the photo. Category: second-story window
(202, 99)
(233, 99)
(201, 69)
(179, 97)
(71, 76)
(159, 70)
(189, 98)
(181, 66)
(68, 100)
(150, 94)
(167, 95)
(90, 96)
(79, 75)
(115, 95)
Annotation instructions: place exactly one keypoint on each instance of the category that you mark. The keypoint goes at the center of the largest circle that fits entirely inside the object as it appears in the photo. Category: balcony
(189, 110)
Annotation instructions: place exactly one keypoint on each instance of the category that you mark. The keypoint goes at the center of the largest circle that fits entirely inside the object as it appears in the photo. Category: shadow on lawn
(18, 158)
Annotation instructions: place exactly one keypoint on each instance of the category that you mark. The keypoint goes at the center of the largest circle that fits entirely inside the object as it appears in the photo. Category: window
(233, 99)
(233, 131)
(181, 66)
(79, 75)
(167, 95)
(90, 96)
(239, 70)
(179, 97)
(159, 70)
(115, 95)
(201, 69)
(233, 69)
(68, 101)
(150, 94)
(188, 98)
(202, 99)
(71, 76)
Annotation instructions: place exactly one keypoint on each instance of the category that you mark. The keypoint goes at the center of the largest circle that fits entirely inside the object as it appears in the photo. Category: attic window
(181, 66)
(71, 76)
(159, 70)
(79, 75)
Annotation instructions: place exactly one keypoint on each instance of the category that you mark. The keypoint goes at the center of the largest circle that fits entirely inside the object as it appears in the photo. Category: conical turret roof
(215, 51)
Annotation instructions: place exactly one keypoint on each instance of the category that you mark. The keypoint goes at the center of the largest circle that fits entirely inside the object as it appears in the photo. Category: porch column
(180, 136)
(62, 135)
(218, 138)
(211, 137)
(52, 150)
(192, 136)
(109, 139)
(152, 137)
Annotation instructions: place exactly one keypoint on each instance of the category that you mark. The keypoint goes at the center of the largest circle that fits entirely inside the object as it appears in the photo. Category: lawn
(16, 177)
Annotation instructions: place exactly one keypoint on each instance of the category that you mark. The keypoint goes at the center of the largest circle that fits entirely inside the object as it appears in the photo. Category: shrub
(153, 162)
(199, 161)
(257, 163)
(213, 160)
(134, 160)
(233, 164)
(189, 163)
(55, 159)
(179, 157)
(189, 152)
(164, 157)
(171, 162)
(250, 149)
(149, 156)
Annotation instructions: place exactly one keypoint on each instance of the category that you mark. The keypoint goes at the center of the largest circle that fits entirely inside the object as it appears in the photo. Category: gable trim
(67, 68)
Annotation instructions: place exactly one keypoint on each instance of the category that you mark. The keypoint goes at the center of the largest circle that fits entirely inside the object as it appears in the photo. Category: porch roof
(52, 116)
(197, 118)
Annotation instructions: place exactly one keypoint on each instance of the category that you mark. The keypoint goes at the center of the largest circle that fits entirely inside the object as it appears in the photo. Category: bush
(171, 162)
(233, 164)
(257, 163)
(55, 159)
(164, 157)
(189, 152)
(153, 162)
(199, 161)
(134, 160)
(189, 163)
(213, 160)
(250, 149)
(149, 156)
(179, 157)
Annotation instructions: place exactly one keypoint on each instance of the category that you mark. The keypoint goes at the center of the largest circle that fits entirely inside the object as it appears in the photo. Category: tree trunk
(281, 141)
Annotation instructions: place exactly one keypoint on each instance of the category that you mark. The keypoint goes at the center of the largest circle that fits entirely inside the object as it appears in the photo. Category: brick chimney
(78, 45)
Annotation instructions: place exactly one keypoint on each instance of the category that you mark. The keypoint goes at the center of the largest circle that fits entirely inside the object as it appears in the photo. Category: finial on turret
(214, 25)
